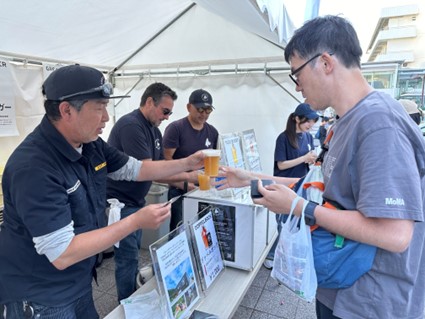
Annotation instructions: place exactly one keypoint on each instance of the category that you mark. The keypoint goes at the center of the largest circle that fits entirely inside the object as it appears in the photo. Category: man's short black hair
(157, 91)
(332, 34)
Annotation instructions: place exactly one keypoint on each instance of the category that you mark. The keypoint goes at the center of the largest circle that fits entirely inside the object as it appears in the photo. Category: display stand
(242, 226)
(208, 255)
(250, 151)
(232, 155)
(176, 275)
(223, 297)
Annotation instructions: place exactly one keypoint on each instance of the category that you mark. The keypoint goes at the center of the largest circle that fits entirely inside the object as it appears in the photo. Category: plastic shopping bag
(311, 186)
(293, 264)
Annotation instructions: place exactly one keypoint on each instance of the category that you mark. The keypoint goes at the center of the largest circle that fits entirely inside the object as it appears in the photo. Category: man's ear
(65, 109)
(328, 62)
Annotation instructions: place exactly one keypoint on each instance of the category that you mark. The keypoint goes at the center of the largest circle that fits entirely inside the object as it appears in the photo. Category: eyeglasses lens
(207, 110)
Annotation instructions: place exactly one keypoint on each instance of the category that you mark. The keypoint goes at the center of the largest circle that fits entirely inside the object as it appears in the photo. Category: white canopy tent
(225, 47)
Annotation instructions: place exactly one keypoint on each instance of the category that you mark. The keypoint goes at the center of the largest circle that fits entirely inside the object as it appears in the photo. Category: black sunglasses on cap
(106, 89)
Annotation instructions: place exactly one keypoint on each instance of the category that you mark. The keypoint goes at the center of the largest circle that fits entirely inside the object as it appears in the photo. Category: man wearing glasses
(55, 196)
(374, 168)
(137, 135)
(186, 136)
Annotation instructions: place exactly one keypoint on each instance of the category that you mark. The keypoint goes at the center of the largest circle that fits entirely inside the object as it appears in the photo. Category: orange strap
(329, 205)
(318, 185)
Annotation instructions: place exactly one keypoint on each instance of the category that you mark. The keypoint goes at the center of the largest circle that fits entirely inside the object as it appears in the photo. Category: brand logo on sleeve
(74, 188)
(394, 201)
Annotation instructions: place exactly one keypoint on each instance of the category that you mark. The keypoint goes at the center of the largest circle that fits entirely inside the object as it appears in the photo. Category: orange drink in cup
(204, 181)
(211, 160)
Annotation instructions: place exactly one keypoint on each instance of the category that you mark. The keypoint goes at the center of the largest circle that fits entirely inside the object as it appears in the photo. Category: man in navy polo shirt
(54, 200)
(137, 134)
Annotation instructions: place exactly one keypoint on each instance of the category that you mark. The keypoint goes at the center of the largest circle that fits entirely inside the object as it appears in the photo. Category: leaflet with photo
(176, 274)
(210, 261)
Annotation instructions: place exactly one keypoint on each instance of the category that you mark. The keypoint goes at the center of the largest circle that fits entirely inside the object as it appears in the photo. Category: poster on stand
(232, 150)
(232, 155)
(210, 261)
(250, 150)
(224, 218)
(7, 101)
(176, 274)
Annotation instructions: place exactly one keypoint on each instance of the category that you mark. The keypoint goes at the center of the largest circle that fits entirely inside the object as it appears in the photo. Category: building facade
(396, 52)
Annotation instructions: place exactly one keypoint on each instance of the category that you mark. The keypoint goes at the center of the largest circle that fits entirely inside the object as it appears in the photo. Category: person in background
(412, 109)
(137, 135)
(374, 168)
(186, 136)
(322, 132)
(54, 187)
(293, 154)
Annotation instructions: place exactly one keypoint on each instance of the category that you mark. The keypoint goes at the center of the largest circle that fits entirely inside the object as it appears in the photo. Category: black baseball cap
(201, 98)
(305, 110)
(76, 82)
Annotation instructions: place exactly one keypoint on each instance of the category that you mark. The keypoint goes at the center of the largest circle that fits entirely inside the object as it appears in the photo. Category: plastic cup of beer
(211, 160)
(204, 181)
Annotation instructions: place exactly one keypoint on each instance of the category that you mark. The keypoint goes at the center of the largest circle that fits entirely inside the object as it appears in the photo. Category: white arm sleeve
(128, 172)
(54, 244)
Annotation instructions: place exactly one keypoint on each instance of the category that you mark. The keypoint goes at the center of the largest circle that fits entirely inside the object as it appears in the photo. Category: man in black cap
(54, 200)
(186, 136)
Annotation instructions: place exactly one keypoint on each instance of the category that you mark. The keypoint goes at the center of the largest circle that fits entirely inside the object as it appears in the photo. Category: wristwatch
(309, 213)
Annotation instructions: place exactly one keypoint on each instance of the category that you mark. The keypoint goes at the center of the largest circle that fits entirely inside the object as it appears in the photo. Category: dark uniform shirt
(186, 140)
(137, 137)
(47, 184)
(285, 152)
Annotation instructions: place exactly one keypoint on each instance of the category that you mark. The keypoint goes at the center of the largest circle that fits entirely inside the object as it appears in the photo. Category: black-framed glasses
(207, 110)
(297, 70)
(106, 89)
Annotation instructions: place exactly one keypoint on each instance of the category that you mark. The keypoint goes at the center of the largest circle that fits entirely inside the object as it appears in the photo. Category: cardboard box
(243, 228)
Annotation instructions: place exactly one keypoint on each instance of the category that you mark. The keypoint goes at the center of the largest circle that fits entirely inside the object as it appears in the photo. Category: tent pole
(275, 81)
(112, 72)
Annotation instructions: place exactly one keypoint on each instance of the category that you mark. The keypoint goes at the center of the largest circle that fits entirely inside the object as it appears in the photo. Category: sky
(363, 17)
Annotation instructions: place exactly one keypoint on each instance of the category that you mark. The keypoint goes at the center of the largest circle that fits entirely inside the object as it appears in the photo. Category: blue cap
(304, 110)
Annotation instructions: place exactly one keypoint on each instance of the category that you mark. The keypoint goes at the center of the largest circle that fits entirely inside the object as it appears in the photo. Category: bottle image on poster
(210, 260)
(225, 227)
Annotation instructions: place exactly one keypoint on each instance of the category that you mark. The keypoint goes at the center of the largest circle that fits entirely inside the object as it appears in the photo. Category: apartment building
(400, 36)
(397, 52)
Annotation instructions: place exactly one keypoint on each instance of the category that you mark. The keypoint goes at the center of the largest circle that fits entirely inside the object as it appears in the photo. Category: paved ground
(265, 299)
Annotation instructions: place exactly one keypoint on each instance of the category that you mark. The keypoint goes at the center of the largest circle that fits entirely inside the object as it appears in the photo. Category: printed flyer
(225, 225)
(251, 151)
(208, 248)
(177, 273)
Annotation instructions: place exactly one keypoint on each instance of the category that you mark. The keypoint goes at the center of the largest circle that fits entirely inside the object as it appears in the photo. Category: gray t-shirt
(376, 165)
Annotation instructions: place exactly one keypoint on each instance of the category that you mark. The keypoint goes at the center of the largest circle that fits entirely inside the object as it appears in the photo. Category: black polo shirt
(134, 135)
(47, 184)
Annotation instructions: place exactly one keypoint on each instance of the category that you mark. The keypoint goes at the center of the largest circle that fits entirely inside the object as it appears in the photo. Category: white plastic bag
(293, 264)
(312, 186)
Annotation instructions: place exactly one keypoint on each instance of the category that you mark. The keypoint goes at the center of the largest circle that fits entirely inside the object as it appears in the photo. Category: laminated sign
(7, 101)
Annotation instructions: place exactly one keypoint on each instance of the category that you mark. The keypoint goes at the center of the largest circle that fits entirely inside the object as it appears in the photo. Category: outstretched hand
(233, 177)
